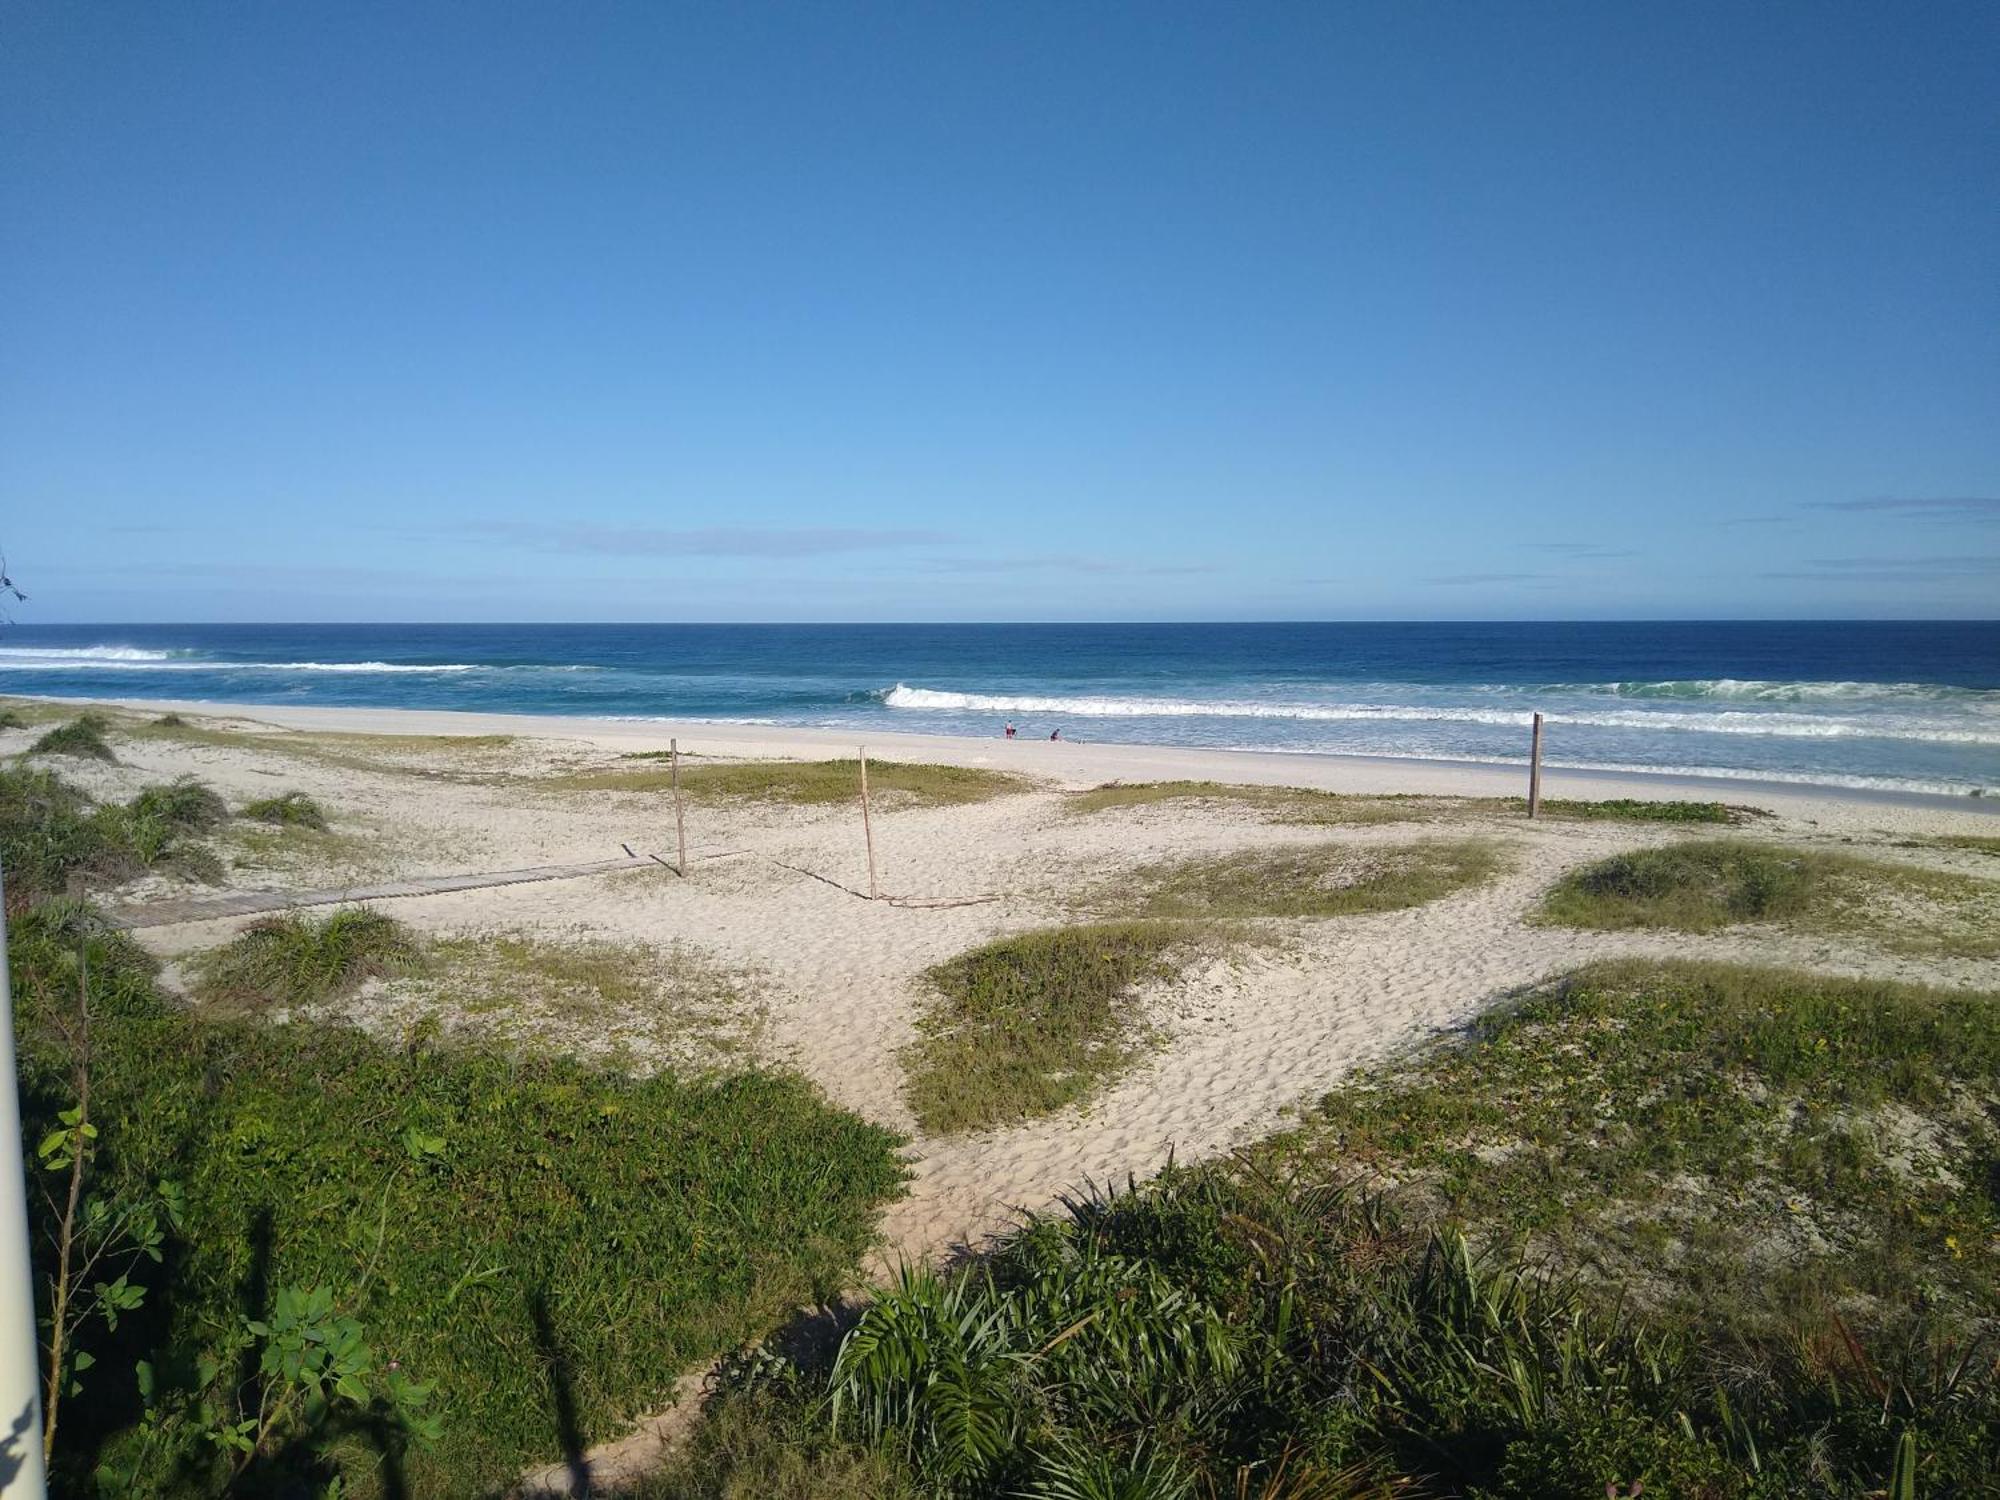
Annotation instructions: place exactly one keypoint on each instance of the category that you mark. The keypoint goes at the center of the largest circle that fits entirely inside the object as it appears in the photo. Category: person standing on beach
(1010, 729)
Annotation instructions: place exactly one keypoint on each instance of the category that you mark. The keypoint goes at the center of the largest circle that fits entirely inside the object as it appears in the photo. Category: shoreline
(1083, 762)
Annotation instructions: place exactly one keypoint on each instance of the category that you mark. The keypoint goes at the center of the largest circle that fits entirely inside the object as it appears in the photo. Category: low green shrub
(1029, 1024)
(294, 960)
(82, 736)
(11, 719)
(287, 810)
(1713, 883)
(546, 1245)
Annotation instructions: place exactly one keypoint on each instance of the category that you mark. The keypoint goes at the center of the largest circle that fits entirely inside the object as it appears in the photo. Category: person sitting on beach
(1010, 729)
(1056, 734)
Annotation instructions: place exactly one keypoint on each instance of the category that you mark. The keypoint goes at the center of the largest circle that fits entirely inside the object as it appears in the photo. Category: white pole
(22, 1473)
(868, 829)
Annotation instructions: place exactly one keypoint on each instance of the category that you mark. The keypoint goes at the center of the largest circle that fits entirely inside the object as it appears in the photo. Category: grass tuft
(82, 736)
(1029, 1024)
(11, 719)
(183, 804)
(809, 783)
(288, 810)
(1316, 880)
(170, 721)
(291, 960)
(1717, 883)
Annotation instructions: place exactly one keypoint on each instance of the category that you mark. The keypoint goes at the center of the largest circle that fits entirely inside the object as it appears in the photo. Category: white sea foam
(79, 656)
(1769, 722)
(132, 659)
(1755, 691)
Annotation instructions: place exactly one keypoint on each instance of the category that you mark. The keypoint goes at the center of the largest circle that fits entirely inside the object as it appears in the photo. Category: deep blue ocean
(1905, 706)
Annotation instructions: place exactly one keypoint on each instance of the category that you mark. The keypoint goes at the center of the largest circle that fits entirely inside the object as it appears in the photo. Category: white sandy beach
(1248, 1036)
(773, 897)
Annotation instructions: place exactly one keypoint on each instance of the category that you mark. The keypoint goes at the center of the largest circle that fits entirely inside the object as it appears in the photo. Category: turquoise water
(1892, 705)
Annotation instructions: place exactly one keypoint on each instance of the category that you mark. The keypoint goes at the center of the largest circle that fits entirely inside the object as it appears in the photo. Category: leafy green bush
(292, 960)
(547, 1246)
(82, 736)
(289, 810)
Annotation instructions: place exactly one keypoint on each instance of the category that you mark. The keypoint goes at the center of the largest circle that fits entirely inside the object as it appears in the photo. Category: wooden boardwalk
(251, 903)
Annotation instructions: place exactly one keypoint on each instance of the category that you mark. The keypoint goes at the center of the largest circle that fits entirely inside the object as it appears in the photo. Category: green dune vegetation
(1714, 883)
(1669, 1229)
(54, 835)
(1300, 805)
(1312, 880)
(1029, 1024)
(1637, 810)
(1033, 1023)
(82, 737)
(804, 783)
(293, 960)
(1274, 804)
(287, 810)
(305, 1262)
(1975, 843)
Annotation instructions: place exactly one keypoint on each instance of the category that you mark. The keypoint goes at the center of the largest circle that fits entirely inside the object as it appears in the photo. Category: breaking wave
(1767, 722)
(132, 659)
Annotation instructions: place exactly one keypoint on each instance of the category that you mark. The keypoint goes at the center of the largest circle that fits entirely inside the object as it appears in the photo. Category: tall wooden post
(868, 829)
(680, 820)
(1535, 772)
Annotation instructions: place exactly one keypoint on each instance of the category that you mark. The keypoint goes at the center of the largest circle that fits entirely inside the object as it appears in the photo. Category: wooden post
(680, 820)
(1535, 772)
(868, 829)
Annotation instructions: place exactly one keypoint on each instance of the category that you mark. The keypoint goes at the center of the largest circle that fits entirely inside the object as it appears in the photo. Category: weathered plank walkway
(250, 903)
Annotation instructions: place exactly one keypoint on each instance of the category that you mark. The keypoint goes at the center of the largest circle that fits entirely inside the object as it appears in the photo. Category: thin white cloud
(706, 541)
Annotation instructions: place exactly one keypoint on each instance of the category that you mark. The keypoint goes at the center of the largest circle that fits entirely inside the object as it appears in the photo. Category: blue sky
(652, 311)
